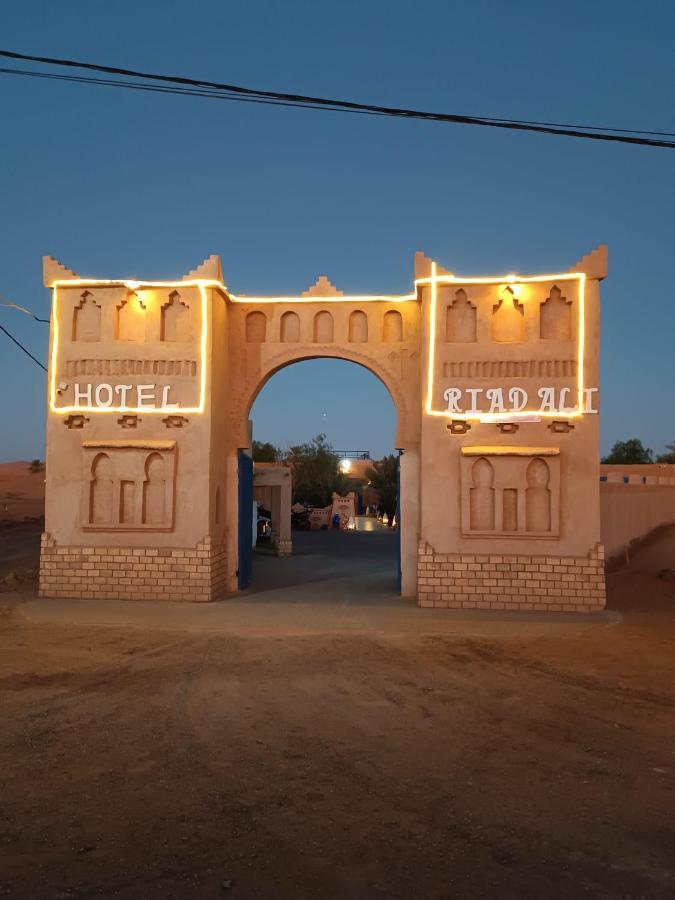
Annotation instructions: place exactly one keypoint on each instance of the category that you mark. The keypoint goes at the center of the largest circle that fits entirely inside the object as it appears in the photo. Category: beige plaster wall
(631, 511)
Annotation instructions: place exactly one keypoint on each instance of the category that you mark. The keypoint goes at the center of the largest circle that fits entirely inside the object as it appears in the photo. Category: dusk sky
(123, 184)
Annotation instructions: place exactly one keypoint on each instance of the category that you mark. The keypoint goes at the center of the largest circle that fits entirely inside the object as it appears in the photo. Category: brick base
(496, 581)
(132, 573)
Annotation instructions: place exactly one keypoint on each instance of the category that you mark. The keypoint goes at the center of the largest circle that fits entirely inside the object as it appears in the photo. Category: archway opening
(325, 483)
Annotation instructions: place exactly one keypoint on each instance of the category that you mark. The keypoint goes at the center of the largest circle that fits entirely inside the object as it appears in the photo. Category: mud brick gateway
(493, 380)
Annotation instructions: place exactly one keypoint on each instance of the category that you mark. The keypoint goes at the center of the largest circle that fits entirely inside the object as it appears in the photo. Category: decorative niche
(555, 317)
(508, 318)
(256, 327)
(460, 319)
(358, 327)
(176, 324)
(128, 485)
(510, 492)
(87, 319)
(131, 319)
(392, 327)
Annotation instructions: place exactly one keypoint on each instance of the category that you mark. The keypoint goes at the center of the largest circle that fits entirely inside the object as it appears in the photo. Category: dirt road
(139, 763)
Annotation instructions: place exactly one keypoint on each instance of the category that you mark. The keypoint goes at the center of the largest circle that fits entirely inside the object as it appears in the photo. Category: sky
(124, 184)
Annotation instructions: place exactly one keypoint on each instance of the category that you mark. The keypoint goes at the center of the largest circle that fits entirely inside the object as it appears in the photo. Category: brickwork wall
(133, 573)
(498, 581)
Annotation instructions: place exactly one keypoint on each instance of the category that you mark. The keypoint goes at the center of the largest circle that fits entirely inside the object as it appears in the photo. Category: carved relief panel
(128, 485)
(510, 492)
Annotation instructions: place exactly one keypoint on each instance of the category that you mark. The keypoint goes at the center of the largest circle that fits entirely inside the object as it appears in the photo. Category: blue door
(398, 520)
(245, 520)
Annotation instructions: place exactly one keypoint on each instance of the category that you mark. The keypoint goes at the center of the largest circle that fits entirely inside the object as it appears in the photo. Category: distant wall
(634, 501)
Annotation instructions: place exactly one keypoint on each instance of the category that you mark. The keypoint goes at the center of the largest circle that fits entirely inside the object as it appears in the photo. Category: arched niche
(482, 496)
(358, 327)
(256, 327)
(101, 491)
(508, 319)
(176, 324)
(392, 327)
(154, 490)
(290, 328)
(538, 496)
(323, 328)
(460, 319)
(555, 317)
(87, 319)
(131, 319)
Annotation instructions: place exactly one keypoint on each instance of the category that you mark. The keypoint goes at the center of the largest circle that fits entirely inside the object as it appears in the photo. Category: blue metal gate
(244, 571)
(398, 520)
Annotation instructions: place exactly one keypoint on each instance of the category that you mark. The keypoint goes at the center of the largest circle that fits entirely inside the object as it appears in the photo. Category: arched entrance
(315, 405)
(382, 334)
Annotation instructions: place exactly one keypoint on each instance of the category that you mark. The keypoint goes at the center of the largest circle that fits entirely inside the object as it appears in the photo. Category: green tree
(383, 477)
(263, 451)
(669, 455)
(316, 472)
(629, 453)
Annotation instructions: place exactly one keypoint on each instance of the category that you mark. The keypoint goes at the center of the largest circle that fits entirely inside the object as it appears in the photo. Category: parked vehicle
(264, 528)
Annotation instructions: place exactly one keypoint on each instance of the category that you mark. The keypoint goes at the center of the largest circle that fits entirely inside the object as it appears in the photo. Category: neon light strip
(435, 279)
(201, 284)
(347, 298)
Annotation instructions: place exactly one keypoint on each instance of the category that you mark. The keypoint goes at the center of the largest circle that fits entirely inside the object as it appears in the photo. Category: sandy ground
(387, 762)
(22, 492)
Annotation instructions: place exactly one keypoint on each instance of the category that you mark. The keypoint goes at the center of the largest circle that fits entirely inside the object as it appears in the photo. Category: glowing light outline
(130, 284)
(203, 283)
(486, 417)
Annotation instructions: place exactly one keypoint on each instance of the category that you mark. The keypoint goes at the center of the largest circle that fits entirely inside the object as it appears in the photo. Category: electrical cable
(232, 92)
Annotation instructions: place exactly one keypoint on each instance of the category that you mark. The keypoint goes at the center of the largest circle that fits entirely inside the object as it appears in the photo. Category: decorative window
(511, 492)
(128, 485)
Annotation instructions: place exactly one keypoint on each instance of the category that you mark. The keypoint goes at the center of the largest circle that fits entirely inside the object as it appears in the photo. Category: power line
(22, 309)
(232, 92)
(21, 346)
